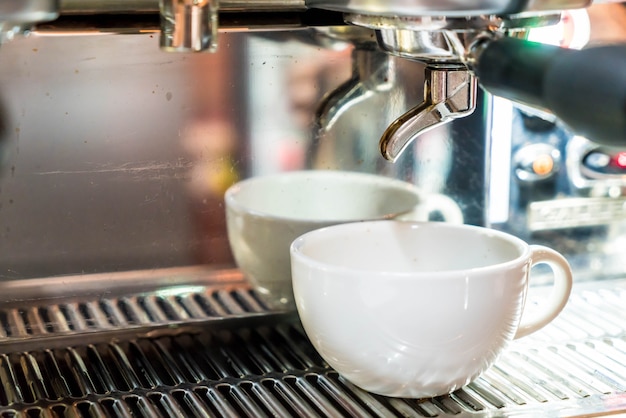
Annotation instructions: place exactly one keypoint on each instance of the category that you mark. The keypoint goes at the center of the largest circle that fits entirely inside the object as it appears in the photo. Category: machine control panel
(536, 162)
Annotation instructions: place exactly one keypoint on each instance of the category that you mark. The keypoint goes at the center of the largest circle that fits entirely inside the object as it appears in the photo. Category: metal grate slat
(56, 319)
(140, 365)
(210, 306)
(264, 399)
(189, 404)
(74, 319)
(445, 403)
(524, 368)
(521, 381)
(509, 391)
(334, 392)
(597, 355)
(246, 299)
(88, 409)
(132, 311)
(12, 393)
(35, 383)
(189, 303)
(140, 406)
(469, 402)
(216, 402)
(592, 368)
(370, 402)
(170, 364)
(106, 381)
(595, 314)
(34, 322)
(229, 304)
(213, 360)
(581, 379)
(291, 398)
(15, 324)
(172, 310)
(401, 408)
(78, 369)
(491, 396)
(163, 403)
(152, 309)
(115, 408)
(61, 384)
(100, 319)
(243, 403)
(557, 375)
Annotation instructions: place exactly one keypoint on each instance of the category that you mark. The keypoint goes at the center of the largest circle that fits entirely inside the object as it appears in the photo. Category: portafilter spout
(373, 72)
(449, 93)
(450, 88)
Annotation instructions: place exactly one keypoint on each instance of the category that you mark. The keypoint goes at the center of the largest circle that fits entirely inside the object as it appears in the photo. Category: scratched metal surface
(95, 174)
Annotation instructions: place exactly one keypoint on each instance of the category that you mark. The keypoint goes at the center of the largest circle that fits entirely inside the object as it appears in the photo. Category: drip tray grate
(61, 311)
(240, 360)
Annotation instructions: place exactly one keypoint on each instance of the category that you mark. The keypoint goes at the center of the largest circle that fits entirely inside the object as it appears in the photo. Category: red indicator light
(620, 159)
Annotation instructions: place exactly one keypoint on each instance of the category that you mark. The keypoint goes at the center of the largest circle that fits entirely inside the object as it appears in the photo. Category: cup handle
(430, 203)
(561, 289)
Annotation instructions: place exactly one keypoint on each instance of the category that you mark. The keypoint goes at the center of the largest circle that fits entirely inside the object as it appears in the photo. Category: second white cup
(265, 214)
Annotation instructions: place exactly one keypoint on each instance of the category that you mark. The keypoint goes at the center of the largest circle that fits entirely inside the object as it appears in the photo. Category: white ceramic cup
(418, 309)
(265, 214)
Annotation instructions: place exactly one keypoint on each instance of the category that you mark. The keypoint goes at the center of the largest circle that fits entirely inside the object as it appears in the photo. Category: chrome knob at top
(188, 25)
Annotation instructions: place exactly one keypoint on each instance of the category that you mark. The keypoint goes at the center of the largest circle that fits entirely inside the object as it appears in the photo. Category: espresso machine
(122, 123)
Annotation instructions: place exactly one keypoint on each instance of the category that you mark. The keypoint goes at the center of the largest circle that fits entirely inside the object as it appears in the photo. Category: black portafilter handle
(585, 89)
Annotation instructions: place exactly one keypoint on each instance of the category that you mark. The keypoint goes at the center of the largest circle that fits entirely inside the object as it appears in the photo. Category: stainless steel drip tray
(61, 311)
(195, 342)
